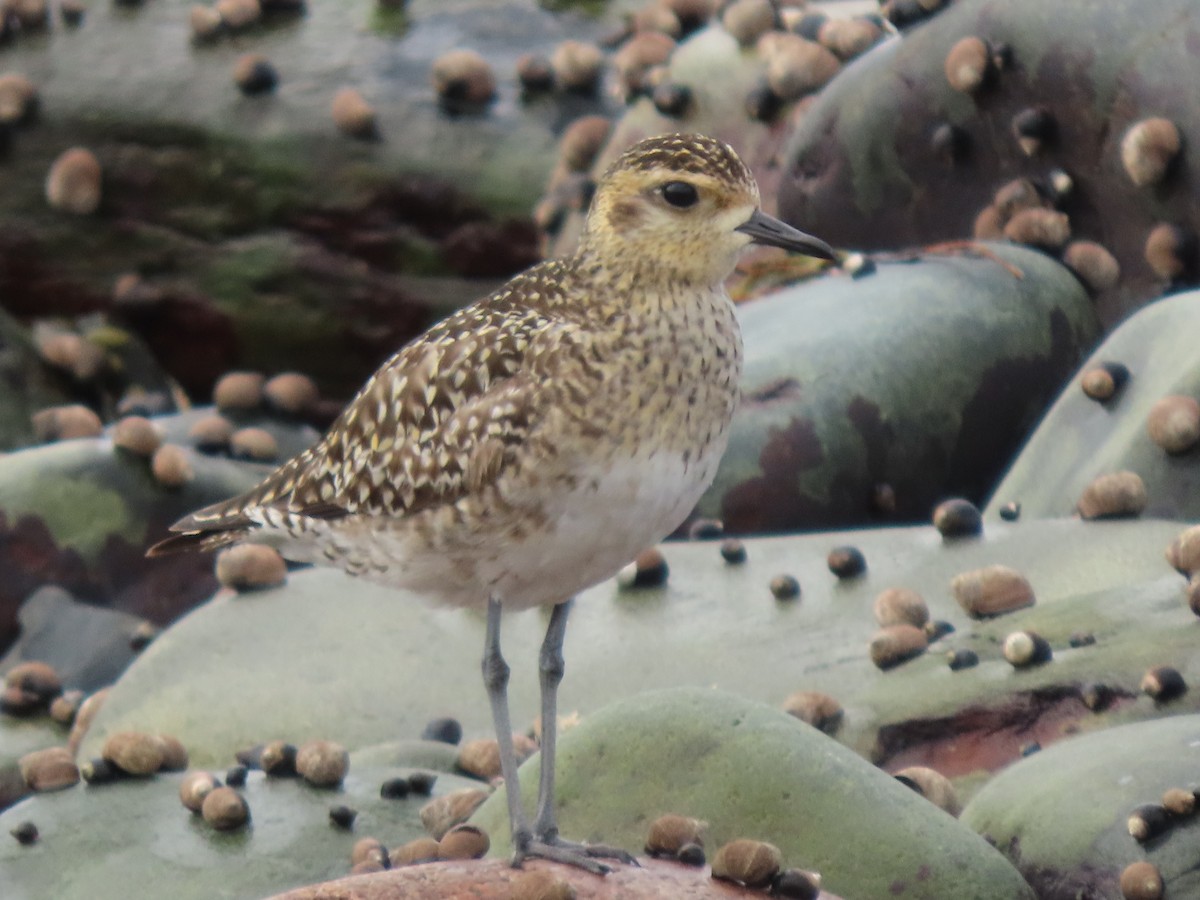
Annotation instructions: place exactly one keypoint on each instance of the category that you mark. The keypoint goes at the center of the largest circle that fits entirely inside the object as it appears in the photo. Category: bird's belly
(596, 528)
(539, 552)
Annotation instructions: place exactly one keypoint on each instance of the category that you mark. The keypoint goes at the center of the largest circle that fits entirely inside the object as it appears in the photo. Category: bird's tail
(203, 541)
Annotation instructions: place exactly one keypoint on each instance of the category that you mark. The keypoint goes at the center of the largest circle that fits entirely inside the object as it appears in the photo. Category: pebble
(1170, 250)
(64, 423)
(1113, 495)
(171, 467)
(73, 183)
(785, 587)
(896, 644)
(194, 787)
(933, 786)
(211, 434)
(846, 562)
(968, 64)
(291, 393)
(322, 763)
(343, 816)
(900, 606)
(442, 813)
(52, 769)
(353, 115)
(464, 841)
(748, 20)
(752, 863)
(991, 591)
(225, 809)
(1174, 423)
(18, 98)
(1148, 149)
(463, 76)
(733, 551)
(254, 74)
(249, 567)
(1093, 265)
(670, 833)
(205, 22)
(650, 569)
(1141, 881)
(238, 14)
(957, 517)
(239, 391)
(421, 850)
(443, 730)
(134, 752)
(817, 708)
(136, 435)
(254, 445)
(578, 66)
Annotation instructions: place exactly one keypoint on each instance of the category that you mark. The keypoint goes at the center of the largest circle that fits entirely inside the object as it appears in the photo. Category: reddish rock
(492, 879)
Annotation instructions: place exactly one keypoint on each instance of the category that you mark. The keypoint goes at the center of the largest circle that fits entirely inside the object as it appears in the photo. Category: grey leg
(495, 679)
(550, 672)
(546, 842)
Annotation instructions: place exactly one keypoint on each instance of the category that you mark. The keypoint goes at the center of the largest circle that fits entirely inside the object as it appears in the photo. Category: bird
(531, 444)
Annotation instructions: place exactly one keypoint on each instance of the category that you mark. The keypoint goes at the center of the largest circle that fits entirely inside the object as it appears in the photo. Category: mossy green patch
(80, 511)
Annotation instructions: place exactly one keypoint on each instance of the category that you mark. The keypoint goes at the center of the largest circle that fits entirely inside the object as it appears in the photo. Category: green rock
(925, 376)
(80, 514)
(362, 664)
(1081, 438)
(271, 240)
(28, 385)
(752, 771)
(861, 169)
(19, 736)
(1060, 815)
(102, 842)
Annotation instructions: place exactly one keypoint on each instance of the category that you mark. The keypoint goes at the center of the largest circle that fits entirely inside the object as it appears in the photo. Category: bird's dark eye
(680, 194)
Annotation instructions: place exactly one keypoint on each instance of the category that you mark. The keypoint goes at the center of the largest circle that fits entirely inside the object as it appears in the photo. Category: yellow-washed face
(684, 206)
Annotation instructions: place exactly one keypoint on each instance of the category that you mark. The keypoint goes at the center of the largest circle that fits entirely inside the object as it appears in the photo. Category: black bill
(764, 229)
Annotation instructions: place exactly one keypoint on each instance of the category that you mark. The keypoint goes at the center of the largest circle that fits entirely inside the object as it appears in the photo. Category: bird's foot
(571, 853)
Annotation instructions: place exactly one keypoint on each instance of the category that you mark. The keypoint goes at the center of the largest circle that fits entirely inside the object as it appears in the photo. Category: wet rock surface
(265, 221)
(675, 747)
(495, 879)
(864, 167)
(1095, 783)
(1083, 438)
(923, 375)
(710, 624)
(80, 514)
(150, 837)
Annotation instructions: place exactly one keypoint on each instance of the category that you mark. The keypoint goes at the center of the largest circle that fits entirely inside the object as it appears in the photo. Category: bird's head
(684, 205)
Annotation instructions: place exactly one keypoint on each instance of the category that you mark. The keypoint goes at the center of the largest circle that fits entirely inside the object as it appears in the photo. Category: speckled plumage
(530, 444)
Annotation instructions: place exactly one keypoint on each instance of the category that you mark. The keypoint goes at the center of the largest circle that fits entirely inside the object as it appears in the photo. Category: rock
(73, 184)
(87, 644)
(1092, 782)
(758, 758)
(81, 515)
(495, 879)
(870, 179)
(719, 76)
(147, 834)
(344, 660)
(1080, 440)
(992, 348)
(286, 243)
